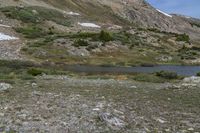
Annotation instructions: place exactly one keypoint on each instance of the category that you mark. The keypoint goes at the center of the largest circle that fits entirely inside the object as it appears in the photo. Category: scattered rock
(134, 87)
(160, 121)
(192, 79)
(72, 13)
(189, 85)
(168, 99)
(4, 86)
(34, 11)
(191, 129)
(112, 121)
(164, 58)
(1, 114)
(96, 109)
(173, 87)
(34, 85)
(37, 93)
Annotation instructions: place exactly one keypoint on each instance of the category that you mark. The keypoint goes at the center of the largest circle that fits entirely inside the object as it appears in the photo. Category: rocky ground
(9, 49)
(66, 104)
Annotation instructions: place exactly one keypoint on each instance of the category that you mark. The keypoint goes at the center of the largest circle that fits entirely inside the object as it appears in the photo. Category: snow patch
(164, 13)
(4, 37)
(73, 13)
(1, 25)
(92, 25)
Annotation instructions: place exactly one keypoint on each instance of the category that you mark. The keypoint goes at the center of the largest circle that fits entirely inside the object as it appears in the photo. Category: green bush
(80, 42)
(198, 74)
(31, 31)
(35, 71)
(105, 36)
(16, 64)
(183, 37)
(84, 35)
(148, 78)
(167, 75)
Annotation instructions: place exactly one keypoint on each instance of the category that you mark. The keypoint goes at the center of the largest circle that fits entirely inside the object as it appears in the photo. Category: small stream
(180, 70)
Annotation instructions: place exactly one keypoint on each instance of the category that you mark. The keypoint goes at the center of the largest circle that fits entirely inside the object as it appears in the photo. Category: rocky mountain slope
(134, 30)
(118, 11)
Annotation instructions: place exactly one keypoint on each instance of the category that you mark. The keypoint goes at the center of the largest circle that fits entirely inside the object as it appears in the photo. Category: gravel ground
(63, 104)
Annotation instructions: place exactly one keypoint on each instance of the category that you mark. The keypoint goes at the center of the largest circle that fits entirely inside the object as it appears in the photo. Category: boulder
(112, 121)
(4, 87)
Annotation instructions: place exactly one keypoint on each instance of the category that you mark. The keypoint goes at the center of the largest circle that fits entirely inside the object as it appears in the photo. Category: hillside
(118, 11)
(134, 32)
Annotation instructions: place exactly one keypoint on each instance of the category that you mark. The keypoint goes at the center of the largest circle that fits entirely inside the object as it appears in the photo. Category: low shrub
(84, 35)
(183, 37)
(105, 36)
(24, 14)
(35, 71)
(31, 31)
(148, 78)
(80, 42)
(167, 75)
(16, 64)
(35, 14)
(198, 74)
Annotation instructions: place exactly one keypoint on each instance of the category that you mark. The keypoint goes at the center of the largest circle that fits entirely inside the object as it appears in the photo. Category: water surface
(180, 70)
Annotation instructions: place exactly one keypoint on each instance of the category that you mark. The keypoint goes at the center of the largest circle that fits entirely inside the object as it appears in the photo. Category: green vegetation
(25, 15)
(13, 70)
(149, 78)
(43, 48)
(189, 53)
(83, 35)
(105, 36)
(31, 31)
(35, 15)
(183, 37)
(80, 42)
(167, 75)
(179, 37)
(25, 70)
(158, 77)
(35, 72)
(198, 74)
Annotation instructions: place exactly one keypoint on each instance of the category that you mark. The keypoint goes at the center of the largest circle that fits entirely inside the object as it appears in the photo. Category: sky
(184, 7)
